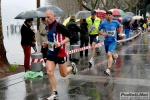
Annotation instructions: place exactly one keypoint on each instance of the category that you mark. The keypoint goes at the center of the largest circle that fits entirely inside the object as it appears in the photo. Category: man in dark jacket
(135, 25)
(27, 40)
(74, 29)
(84, 36)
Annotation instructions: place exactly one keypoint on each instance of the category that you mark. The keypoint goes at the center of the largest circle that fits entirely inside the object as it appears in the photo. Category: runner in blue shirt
(109, 32)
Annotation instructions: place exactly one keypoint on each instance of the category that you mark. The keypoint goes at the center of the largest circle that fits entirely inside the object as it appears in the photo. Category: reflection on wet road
(129, 74)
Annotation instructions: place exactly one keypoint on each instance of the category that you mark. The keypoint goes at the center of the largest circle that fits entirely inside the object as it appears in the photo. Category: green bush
(13, 67)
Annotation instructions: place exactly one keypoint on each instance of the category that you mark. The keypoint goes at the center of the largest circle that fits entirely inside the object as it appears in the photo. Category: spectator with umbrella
(84, 36)
(126, 24)
(28, 38)
(27, 41)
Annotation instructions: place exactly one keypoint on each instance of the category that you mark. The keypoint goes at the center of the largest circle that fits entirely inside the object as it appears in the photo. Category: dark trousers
(44, 52)
(27, 53)
(82, 44)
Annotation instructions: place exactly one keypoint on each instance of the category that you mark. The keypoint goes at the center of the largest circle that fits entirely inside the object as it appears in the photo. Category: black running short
(59, 60)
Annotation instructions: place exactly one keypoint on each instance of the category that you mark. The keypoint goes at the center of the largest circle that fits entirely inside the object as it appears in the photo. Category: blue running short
(110, 46)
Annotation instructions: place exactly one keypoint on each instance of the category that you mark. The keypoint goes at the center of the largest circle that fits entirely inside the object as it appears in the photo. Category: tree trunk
(3, 59)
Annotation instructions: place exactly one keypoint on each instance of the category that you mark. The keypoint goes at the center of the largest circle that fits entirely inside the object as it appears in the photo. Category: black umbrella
(30, 14)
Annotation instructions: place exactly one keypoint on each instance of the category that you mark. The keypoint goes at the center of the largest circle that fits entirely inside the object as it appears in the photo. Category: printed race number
(51, 46)
(111, 33)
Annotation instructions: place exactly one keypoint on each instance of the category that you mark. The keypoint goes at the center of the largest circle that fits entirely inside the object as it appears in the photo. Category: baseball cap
(93, 12)
(108, 12)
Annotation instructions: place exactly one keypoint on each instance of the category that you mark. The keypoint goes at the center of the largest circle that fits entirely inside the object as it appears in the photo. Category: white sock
(91, 59)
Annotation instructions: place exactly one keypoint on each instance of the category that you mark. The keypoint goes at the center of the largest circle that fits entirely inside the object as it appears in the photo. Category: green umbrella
(117, 12)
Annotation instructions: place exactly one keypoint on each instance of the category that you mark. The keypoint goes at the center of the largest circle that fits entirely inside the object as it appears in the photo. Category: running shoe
(91, 61)
(75, 70)
(107, 71)
(53, 96)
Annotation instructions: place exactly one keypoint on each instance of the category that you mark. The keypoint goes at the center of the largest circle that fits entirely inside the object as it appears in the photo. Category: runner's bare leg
(64, 70)
(50, 66)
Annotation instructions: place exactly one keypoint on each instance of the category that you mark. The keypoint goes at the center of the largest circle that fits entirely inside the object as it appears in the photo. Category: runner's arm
(65, 32)
(100, 32)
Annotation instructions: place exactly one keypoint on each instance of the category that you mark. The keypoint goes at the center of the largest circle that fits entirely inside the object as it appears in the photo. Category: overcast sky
(30, 4)
(11, 8)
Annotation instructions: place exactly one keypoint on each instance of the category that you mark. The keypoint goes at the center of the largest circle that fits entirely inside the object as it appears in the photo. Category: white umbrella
(82, 14)
(30, 14)
(137, 17)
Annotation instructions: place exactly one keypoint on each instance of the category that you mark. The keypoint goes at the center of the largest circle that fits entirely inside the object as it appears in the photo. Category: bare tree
(3, 59)
(72, 6)
(132, 4)
(103, 4)
(90, 4)
(69, 7)
(110, 4)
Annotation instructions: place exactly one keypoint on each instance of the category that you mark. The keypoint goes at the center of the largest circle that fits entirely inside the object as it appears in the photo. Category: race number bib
(111, 33)
(51, 46)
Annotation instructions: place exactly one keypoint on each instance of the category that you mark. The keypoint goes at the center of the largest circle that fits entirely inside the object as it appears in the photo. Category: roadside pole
(38, 19)
(81, 8)
(37, 34)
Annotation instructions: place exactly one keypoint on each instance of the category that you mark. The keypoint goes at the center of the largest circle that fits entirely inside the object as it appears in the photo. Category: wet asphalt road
(131, 73)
